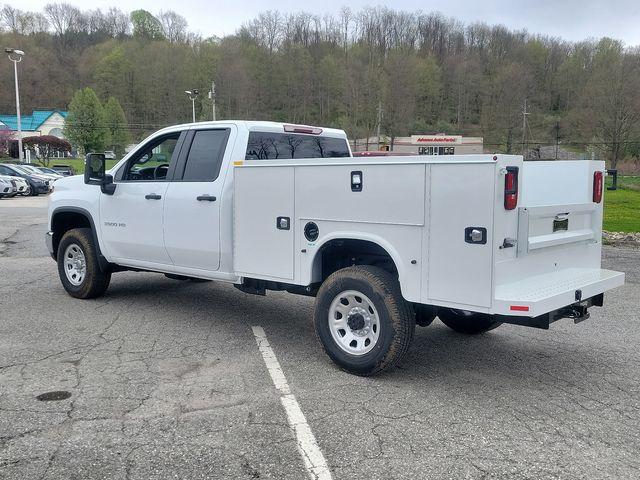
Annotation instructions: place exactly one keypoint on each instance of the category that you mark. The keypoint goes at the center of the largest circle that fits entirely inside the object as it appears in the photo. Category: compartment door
(263, 222)
(460, 259)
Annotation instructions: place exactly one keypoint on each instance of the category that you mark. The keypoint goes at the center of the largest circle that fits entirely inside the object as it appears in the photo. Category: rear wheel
(362, 320)
(463, 321)
(78, 265)
(26, 192)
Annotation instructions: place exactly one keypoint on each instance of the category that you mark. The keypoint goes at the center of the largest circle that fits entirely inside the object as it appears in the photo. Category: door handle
(206, 198)
(153, 196)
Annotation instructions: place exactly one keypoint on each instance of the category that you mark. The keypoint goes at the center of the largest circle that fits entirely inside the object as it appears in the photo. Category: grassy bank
(622, 206)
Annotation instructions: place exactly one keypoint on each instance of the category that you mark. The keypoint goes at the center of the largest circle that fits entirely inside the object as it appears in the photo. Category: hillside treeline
(419, 72)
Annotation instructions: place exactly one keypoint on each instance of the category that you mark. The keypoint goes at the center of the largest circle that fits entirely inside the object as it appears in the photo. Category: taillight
(511, 188)
(598, 182)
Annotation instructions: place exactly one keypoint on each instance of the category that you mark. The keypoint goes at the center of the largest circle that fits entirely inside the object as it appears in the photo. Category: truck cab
(171, 209)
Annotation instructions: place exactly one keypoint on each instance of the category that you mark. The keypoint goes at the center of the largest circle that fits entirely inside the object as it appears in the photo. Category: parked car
(38, 184)
(36, 170)
(382, 243)
(64, 170)
(8, 186)
(110, 155)
(48, 171)
(24, 188)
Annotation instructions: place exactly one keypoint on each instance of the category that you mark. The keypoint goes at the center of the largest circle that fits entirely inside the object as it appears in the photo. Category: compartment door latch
(475, 235)
(283, 223)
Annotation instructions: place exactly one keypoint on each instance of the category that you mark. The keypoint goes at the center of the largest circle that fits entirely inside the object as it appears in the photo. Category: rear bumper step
(538, 295)
(577, 311)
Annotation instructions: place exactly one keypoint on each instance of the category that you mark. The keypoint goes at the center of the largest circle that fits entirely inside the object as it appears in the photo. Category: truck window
(205, 155)
(151, 163)
(270, 146)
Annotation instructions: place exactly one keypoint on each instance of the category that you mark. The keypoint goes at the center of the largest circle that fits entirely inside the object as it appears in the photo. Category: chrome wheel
(75, 265)
(354, 322)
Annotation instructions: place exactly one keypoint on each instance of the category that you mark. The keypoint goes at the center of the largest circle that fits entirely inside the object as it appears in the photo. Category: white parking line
(314, 461)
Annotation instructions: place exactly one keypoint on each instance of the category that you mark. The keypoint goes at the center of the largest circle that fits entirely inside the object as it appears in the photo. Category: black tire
(425, 314)
(27, 192)
(395, 314)
(33, 192)
(470, 323)
(95, 281)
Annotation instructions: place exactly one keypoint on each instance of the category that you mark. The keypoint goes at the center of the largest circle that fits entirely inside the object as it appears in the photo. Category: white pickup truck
(382, 243)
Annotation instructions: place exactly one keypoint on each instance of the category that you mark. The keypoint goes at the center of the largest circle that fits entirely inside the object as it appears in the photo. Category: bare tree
(174, 26)
(10, 18)
(64, 18)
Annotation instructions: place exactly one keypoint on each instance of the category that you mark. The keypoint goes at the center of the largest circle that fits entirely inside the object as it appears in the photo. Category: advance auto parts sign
(436, 139)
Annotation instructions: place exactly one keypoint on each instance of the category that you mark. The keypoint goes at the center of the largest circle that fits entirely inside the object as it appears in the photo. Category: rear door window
(271, 146)
(205, 155)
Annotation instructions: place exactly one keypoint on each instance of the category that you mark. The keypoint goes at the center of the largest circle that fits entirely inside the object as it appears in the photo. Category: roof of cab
(262, 126)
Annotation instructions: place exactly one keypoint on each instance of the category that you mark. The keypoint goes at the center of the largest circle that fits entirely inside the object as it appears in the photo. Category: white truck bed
(417, 209)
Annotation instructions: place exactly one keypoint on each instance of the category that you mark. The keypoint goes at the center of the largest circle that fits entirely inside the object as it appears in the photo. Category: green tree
(111, 73)
(117, 125)
(146, 26)
(85, 126)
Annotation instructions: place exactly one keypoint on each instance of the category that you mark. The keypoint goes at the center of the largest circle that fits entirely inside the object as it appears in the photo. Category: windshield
(30, 169)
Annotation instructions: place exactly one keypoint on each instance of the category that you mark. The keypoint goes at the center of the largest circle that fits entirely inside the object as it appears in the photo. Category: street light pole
(193, 94)
(16, 57)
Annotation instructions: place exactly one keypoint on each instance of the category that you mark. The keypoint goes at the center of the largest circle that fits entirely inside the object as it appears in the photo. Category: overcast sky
(569, 19)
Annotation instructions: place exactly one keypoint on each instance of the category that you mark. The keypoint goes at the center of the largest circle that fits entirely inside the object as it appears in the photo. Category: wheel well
(342, 253)
(62, 222)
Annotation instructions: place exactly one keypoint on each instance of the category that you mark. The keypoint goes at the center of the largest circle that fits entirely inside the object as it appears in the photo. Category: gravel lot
(166, 381)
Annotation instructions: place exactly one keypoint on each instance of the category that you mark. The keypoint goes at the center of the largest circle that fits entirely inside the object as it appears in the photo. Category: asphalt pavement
(165, 380)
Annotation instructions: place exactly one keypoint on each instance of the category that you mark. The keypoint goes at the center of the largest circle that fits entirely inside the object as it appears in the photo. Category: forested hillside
(428, 73)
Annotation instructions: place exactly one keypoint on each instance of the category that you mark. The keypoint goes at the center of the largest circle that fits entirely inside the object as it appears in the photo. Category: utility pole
(524, 126)
(212, 96)
(557, 138)
(16, 57)
(379, 122)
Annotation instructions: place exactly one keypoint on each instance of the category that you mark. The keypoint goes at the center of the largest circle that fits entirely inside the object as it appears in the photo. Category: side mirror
(94, 167)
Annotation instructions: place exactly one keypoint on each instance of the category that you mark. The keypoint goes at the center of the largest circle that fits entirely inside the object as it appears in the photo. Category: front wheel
(362, 320)
(78, 265)
(463, 321)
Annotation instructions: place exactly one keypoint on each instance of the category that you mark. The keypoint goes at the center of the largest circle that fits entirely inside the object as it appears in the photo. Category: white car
(8, 187)
(49, 171)
(36, 171)
(22, 185)
(383, 243)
